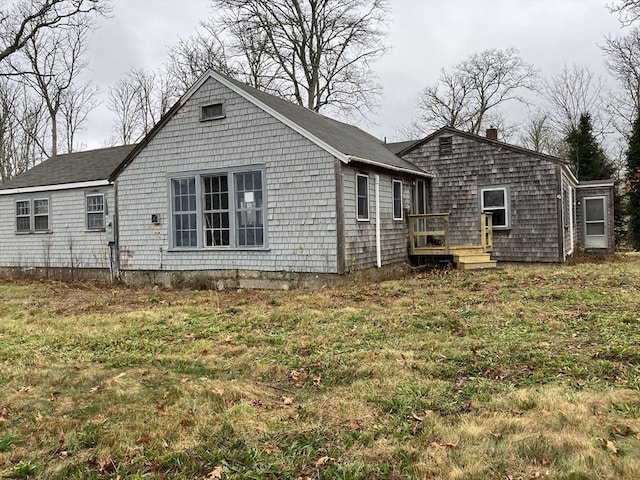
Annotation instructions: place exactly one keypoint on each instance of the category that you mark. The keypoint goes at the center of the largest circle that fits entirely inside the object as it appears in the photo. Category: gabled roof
(69, 170)
(397, 147)
(345, 142)
(480, 138)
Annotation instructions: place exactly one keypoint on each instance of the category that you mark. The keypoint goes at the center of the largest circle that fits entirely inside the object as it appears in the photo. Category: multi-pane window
(41, 215)
(216, 211)
(223, 209)
(23, 216)
(362, 197)
(249, 209)
(397, 200)
(185, 225)
(95, 211)
(32, 215)
(495, 200)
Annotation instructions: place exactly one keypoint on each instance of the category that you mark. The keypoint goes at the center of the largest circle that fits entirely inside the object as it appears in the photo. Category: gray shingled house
(58, 215)
(232, 183)
(539, 211)
(245, 188)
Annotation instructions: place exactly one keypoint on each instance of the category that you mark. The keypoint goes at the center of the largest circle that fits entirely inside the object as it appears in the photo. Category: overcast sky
(425, 36)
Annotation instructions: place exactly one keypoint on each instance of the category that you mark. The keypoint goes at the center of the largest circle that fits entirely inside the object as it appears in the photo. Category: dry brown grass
(521, 373)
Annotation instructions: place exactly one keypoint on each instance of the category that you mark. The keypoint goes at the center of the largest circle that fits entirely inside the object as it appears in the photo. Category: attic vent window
(446, 145)
(212, 112)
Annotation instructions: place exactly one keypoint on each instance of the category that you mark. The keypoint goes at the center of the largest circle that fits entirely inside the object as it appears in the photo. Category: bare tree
(22, 129)
(570, 94)
(23, 20)
(538, 134)
(623, 62)
(475, 88)
(75, 105)
(139, 100)
(628, 10)
(55, 58)
(317, 53)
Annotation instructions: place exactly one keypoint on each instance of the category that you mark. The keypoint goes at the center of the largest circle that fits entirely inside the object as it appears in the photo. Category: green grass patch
(518, 373)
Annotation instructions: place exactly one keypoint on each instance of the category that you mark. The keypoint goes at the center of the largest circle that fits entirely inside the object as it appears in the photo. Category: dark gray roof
(72, 168)
(345, 138)
(397, 147)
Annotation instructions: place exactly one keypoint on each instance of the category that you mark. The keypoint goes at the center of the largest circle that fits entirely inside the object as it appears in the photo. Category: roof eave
(51, 188)
(352, 158)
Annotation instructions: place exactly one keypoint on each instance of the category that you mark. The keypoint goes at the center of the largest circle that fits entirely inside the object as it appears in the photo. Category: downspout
(378, 246)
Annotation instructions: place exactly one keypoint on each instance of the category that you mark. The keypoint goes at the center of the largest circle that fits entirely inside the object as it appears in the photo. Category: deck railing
(486, 231)
(429, 232)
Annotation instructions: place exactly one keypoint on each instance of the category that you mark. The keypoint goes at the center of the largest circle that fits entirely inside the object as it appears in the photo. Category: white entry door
(595, 222)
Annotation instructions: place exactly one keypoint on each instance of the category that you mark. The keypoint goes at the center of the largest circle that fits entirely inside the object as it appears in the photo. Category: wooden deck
(429, 236)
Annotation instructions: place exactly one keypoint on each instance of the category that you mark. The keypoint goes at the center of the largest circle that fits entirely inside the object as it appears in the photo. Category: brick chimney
(492, 133)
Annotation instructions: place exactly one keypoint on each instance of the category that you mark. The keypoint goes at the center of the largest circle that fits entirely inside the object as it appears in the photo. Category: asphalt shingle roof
(345, 138)
(397, 147)
(72, 168)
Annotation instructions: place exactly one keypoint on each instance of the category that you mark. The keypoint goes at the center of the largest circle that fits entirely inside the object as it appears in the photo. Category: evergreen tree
(585, 154)
(633, 184)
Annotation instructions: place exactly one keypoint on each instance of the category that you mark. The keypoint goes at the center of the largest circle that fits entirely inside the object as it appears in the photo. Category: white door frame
(596, 241)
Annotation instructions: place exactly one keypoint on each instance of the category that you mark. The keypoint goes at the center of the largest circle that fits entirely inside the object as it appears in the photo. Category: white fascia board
(50, 188)
(389, 167)
(567, 171)
(294, 126)
(596, 185)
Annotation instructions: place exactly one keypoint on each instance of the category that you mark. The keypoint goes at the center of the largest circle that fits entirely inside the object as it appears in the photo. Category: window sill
(39, 232)
(218, 249)
(208, 119)
(362, 220)
(95, 230)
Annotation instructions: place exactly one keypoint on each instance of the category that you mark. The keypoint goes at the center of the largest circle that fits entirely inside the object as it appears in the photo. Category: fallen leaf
(611, 446)
(323, 461)
(287, 400)
(26, 389)
(216, 474)
(416, 417)
(443, 445)
(354, 425)
(271, 449)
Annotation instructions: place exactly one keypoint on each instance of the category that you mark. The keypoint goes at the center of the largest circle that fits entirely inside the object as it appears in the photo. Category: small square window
(212, 112)
(495, 200)
(445, 145)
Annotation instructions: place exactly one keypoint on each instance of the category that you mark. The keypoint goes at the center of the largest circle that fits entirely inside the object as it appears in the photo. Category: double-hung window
(32, 215)
(495, 199)
(362, 197)
(397, 199)
(218, 209)
(95, 211)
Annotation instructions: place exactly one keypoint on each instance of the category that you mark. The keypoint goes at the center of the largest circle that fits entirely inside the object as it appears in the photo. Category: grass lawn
(510, 374)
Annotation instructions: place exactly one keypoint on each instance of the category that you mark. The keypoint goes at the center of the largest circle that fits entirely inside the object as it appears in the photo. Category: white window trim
(358, 217)
(393, 199)
(87, 212)
(199, 174)
(507, 203)
(32, 215)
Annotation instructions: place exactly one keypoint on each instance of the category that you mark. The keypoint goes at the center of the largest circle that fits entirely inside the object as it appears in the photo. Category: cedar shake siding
(532, 185)
(68, 243)
(360, 235)
(299, 189)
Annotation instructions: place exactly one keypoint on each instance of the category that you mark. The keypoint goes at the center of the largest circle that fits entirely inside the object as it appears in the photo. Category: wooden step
(477, 266)
(472, 259)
